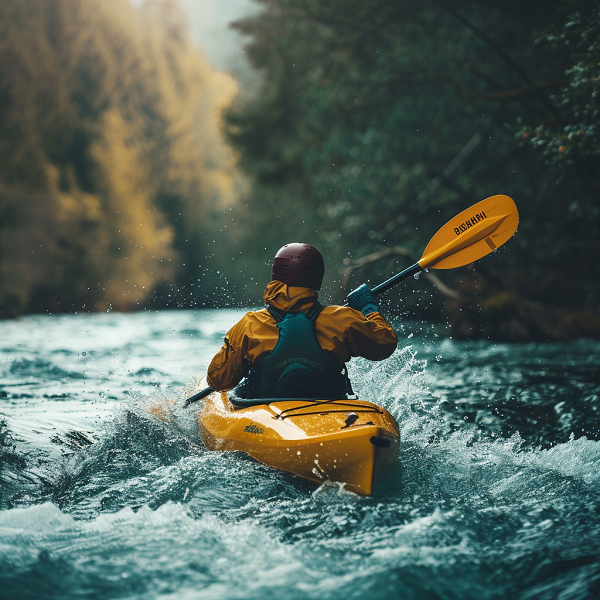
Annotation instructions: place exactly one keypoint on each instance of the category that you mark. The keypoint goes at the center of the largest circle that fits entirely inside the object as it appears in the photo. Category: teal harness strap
(298, 366)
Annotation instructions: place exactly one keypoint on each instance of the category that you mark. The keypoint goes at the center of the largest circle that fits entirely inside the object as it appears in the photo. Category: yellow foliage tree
(110, 152)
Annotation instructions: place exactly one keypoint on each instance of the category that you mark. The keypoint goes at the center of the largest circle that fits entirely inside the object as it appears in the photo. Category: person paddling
(295, 347)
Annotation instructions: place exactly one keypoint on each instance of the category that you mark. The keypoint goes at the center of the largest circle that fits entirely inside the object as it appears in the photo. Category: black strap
(276, 313)
(279, 315)
(314, 311)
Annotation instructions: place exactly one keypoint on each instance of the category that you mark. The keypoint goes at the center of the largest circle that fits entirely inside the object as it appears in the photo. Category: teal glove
(362, 299)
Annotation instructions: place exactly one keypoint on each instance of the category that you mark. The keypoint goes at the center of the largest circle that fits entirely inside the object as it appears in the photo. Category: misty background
(154, 156)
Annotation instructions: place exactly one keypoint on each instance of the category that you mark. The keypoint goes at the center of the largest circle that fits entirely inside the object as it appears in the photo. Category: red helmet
(299, 264)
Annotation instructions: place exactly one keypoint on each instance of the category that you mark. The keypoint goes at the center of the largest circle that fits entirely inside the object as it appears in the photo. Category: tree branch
(490, 42)
(500, 52)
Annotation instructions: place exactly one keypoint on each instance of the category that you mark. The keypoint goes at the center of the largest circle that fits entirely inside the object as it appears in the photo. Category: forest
(133, 175)
(112, 156)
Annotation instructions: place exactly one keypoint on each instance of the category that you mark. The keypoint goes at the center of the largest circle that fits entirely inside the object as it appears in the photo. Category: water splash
(474, 509)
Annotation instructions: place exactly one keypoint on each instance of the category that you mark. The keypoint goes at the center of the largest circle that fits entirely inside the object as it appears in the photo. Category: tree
(383, 119)
(111, 159)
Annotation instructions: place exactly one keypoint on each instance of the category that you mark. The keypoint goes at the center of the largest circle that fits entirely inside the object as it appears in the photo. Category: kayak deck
(353, 442)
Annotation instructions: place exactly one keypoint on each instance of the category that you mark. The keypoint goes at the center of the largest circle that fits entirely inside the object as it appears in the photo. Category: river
(496, 493)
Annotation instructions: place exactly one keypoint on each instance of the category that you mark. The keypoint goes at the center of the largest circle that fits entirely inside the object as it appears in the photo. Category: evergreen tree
(382, 120)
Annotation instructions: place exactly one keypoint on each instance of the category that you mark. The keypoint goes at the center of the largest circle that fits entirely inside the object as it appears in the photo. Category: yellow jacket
(340, 330)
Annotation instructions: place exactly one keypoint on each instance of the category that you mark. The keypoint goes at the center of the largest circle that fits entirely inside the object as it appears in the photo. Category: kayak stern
(311, 439)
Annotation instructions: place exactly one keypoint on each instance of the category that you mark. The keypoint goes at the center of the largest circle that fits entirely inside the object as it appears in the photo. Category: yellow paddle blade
(472, 234)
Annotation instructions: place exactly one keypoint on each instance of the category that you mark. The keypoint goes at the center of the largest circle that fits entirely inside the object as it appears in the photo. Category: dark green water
(496, 495)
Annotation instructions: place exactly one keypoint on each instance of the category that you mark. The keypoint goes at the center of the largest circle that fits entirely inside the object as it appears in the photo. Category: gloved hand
(362, 299)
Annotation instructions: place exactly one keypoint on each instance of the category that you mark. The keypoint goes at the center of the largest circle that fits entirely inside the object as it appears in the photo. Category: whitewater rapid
(495, 494)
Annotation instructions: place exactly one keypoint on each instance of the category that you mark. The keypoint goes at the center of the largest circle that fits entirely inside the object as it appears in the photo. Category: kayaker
(295, 347)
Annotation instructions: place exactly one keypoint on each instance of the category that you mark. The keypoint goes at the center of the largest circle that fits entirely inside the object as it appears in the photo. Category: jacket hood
(289, 298)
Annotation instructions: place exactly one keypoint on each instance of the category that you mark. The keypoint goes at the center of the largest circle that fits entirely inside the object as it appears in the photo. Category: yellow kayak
(353, 442)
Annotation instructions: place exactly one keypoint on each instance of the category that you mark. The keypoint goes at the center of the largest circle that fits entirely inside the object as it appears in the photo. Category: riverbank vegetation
(111, 157)
(373, 124)
(378, 121)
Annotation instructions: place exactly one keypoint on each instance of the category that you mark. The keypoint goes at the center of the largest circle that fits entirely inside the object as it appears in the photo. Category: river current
(496, 493)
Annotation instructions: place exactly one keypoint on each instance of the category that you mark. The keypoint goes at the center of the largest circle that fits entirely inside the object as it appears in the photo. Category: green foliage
(375, 123)
(574, 137)
(381, 120)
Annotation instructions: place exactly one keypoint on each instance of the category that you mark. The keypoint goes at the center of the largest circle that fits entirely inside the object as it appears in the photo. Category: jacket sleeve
(371, 337)
(228, 366)
(346, 332)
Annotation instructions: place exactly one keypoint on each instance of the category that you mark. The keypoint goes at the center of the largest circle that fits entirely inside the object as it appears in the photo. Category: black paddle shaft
(205, 392)
(392, 281)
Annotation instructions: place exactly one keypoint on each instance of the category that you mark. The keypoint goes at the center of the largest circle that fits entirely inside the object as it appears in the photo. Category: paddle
(202, 394)
(469, 236)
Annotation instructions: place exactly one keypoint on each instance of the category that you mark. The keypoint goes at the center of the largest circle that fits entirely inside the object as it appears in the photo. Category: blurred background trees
(111, 157)
(378, 121)
(367, 125)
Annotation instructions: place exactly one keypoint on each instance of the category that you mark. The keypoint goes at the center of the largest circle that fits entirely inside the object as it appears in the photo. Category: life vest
(297, 367)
